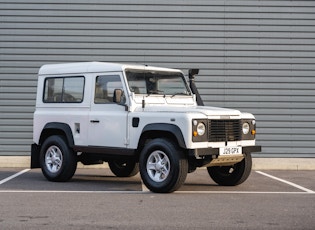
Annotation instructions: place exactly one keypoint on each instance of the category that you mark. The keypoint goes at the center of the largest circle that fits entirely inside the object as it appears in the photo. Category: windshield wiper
(175, 94)
(155, 92)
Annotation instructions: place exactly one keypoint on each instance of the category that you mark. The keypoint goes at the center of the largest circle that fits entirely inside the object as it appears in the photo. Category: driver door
(107, 119)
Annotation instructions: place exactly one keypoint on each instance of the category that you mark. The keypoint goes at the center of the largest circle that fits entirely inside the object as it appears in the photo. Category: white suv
(136, 117)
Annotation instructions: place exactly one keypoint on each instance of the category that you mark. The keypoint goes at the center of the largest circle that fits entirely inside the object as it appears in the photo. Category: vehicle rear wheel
(57, 160)
(163, 166)
(232, 175)
(124, 168)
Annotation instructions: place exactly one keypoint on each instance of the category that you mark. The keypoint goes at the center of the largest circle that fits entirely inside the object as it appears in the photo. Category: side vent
(135, 122)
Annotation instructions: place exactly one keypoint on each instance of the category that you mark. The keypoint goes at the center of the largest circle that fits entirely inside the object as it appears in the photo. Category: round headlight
(201, 129)
(245, 128)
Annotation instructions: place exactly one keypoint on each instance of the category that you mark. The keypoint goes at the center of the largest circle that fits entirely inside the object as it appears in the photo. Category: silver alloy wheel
(53, 159)
(158, 166)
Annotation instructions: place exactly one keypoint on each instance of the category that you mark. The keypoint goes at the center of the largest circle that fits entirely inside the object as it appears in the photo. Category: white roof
(93, 67)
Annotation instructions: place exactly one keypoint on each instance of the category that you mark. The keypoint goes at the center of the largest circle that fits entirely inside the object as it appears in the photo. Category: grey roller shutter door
(256, 56)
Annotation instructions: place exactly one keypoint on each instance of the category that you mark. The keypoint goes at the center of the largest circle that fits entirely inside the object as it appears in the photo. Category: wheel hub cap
(158, 166)
(53, 159)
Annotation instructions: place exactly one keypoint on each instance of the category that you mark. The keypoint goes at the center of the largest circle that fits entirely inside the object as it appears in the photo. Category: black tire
(58, 162)
(232, 175)
(163, 166)
(124, 168)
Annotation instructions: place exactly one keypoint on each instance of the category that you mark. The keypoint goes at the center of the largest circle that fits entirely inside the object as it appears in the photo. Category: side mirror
(118, 96)
(118, 93)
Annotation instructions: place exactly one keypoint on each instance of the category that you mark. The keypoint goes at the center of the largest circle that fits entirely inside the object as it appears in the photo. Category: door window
(105, 86)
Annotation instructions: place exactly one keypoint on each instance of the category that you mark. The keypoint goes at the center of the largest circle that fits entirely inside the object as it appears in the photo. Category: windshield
(157, 82)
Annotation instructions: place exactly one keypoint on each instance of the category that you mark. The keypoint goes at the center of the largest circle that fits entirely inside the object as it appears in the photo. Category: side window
(64, 89)
(105, 86)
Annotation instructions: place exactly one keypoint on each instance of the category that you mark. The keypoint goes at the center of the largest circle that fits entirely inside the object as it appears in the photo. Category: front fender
(169, 128)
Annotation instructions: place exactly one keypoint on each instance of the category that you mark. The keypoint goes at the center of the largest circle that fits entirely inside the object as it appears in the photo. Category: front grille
(224, 130)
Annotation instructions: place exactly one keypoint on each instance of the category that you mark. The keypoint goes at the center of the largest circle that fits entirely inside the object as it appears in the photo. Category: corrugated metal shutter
(267, 66)
(257, 56)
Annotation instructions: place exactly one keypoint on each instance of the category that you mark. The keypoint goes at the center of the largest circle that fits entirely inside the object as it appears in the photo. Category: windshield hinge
(143, 103)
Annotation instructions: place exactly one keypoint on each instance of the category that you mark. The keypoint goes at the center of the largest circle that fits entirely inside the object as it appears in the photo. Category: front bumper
(209, 157)
(215, 151)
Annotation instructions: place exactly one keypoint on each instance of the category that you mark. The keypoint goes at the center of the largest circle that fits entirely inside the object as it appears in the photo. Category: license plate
(230, 151)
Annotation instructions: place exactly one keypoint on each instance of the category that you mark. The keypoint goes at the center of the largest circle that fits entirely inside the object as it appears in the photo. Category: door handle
(94, 121)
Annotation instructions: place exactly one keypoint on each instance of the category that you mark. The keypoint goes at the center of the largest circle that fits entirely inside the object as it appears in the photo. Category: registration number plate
(230, 150)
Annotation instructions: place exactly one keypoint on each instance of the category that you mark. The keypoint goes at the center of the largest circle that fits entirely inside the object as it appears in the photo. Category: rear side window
(64, 89)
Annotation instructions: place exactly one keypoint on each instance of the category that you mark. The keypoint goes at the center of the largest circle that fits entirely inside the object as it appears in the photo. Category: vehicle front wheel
(232, 175)
(124, 168)
(58, 162)
(163, 166)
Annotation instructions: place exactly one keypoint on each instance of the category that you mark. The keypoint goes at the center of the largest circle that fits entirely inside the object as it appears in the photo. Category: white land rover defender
(136, 118)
